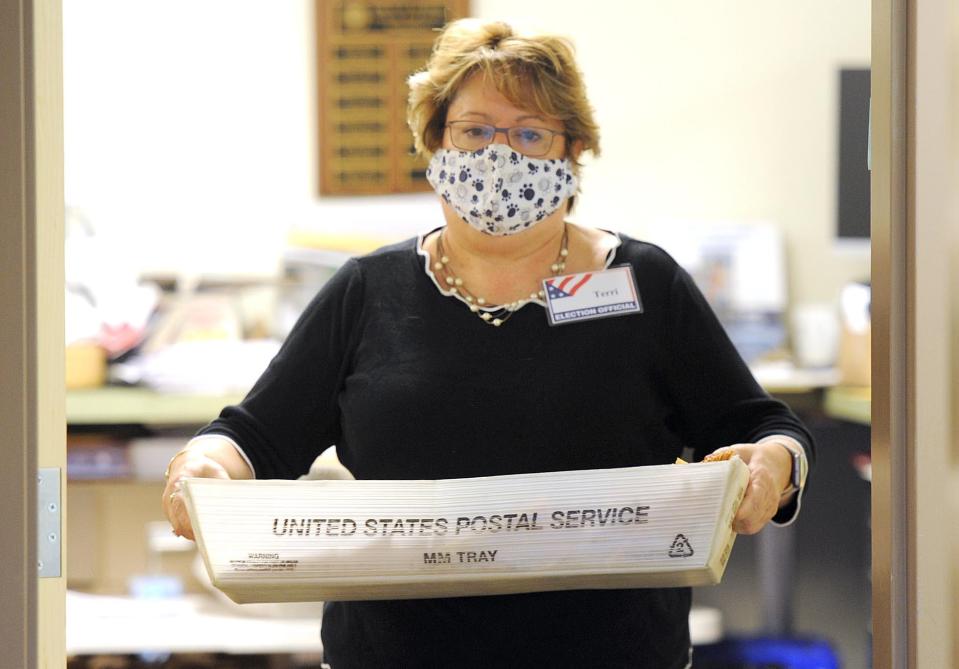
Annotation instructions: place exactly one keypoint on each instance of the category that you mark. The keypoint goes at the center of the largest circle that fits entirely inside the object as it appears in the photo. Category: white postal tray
(284, 541)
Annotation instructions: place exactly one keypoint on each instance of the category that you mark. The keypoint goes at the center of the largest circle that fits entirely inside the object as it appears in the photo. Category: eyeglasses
(530, 141)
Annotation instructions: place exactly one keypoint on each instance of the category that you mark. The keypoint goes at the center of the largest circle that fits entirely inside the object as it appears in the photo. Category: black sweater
(409, 384)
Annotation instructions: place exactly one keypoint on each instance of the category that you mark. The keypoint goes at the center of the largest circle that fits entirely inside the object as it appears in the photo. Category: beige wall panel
(48, 270)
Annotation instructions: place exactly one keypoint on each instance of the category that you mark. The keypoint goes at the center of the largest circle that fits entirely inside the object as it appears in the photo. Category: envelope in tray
(277, 541)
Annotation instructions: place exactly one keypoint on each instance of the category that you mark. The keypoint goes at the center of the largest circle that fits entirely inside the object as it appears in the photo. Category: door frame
(32, 412)
(912, 387)
(915, 326)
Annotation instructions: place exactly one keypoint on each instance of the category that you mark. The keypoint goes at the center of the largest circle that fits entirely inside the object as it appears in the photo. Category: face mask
(500, 191)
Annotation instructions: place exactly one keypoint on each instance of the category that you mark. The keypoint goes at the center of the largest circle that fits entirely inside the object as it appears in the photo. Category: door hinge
(49, 530)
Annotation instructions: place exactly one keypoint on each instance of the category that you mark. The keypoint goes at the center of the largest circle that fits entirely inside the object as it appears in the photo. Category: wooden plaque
(365, 52)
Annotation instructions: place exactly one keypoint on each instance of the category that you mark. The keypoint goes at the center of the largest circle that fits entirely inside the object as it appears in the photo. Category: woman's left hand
(769, 469)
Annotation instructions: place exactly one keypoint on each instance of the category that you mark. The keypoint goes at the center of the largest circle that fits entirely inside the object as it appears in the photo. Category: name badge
(590, 295)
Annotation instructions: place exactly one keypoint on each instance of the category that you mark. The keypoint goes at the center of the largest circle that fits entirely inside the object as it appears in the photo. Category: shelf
(122, 406)
(113, 405)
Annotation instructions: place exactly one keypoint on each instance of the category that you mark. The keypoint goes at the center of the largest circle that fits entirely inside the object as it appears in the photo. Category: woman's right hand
(190, 464)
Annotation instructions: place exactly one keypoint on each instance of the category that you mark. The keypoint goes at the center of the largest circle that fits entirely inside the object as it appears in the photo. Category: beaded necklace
(495, 315)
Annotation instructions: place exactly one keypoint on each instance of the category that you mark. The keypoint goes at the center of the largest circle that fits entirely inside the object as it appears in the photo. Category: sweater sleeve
(291, 414)
(718, 402)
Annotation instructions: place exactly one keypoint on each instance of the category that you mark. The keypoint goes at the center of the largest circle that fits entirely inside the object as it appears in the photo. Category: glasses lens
(530, 141)
(470, 136)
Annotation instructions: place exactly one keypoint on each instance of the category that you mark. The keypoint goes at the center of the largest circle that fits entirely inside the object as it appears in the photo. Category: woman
(434, 358)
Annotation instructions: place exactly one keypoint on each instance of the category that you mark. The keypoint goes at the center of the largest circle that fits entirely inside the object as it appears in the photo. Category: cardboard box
(855, 342)
(273, 541)
(855, 357)
(86, 365)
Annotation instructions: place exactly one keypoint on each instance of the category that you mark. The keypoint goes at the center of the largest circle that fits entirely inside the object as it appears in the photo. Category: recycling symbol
(680, 547)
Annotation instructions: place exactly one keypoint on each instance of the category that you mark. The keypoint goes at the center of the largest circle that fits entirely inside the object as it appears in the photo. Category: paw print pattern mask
(500, 191)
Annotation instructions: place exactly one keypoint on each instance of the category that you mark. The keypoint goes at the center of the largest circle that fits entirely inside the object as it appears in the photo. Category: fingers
(759, 504)
(761, 500)
(720, 455)
(175, 508)
(744, 451)
(198, 466)
(178, 515)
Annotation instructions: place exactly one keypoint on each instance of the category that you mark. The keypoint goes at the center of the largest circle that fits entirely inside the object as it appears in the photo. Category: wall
(191, 138)
(718, 112)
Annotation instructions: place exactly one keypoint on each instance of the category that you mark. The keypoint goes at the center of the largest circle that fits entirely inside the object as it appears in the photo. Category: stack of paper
(278, 541)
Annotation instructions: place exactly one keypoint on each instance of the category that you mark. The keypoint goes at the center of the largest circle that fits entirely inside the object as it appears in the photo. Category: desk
(108, 625)
(786, 379)
(100, 624)
(198, 623)
(852, 403)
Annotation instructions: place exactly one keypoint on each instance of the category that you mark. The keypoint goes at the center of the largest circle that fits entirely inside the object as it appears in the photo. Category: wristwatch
(800, 467)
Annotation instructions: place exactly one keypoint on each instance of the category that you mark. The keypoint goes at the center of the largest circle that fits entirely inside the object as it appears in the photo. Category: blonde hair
(533, 72)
